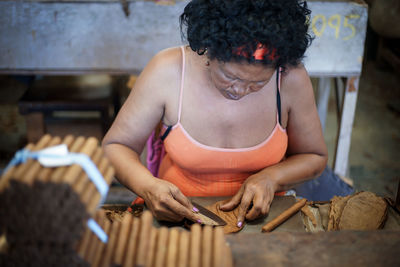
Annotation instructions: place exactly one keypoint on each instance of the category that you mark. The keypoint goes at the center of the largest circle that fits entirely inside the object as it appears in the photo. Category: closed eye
(228, 77)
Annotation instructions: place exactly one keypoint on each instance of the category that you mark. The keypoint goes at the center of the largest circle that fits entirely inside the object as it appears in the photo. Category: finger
(265, 208)
(182, 199)
(165, 214)
(169, 217)
(256, 210)
(267, 205)
(243, 207)
(233, 202)
(181, 210)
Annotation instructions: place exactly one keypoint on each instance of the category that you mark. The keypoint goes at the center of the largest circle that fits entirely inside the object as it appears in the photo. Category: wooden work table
(279, 205)
(341, 248)
(290, 245)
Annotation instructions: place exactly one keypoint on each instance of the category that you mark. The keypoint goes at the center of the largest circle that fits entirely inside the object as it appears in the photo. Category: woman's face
(236, 80)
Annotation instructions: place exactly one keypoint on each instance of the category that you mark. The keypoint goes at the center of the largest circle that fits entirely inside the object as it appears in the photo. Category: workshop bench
(59, 103)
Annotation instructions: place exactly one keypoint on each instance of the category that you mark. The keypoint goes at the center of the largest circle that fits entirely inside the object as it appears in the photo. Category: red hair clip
(261, 52)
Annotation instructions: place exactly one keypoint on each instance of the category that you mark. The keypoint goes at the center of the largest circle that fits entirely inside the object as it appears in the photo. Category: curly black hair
(223, 27)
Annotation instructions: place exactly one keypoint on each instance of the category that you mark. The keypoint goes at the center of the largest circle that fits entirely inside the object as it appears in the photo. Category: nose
(241, 88)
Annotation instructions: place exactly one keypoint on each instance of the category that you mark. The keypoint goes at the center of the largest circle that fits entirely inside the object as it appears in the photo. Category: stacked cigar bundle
(135, 242)
(43, 211)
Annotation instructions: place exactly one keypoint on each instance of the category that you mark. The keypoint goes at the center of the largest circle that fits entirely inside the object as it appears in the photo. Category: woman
(237, 108)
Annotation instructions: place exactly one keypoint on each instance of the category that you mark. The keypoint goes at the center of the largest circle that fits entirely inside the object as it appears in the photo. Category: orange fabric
(199, 170)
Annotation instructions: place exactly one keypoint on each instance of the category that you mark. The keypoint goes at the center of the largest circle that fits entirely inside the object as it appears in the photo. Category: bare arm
(127, 136)
(306, 154)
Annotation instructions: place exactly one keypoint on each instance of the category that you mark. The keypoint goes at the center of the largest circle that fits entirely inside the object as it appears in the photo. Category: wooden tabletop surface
(340, 248)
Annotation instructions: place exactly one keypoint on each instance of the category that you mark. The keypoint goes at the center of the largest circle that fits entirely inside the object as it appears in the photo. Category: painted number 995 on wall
(336, 22)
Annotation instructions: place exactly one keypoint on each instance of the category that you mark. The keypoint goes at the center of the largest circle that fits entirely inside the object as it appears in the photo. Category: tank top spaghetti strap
(202, 170)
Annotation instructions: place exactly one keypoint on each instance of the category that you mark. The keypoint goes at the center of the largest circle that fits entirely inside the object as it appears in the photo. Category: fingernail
(239, 224)
(199, 221)
(195, 209)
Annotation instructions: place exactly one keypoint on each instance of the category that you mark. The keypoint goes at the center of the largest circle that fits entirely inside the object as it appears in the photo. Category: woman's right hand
(167, 203)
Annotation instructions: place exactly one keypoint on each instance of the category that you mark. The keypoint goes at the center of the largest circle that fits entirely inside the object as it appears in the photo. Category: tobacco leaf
(361, 211)
(307, 212)
(230, 217)
(337, 205)
(364, 211)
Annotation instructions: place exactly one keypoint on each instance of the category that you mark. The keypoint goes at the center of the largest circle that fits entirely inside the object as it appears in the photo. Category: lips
(232, 96)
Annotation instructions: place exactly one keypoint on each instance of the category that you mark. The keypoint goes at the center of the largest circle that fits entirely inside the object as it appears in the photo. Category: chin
(231, 96)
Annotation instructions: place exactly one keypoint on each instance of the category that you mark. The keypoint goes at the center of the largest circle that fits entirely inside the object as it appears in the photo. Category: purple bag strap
(155, 153)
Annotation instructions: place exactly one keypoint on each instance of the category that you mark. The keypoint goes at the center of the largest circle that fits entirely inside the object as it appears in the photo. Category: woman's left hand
(259, 190)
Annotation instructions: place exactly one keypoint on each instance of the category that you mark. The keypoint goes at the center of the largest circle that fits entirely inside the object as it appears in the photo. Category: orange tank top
(201, 170)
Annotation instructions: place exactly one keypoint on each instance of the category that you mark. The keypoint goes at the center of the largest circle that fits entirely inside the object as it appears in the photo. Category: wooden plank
(71, 37)
(35, 127)
(340, 248)
(339, 28)
(324, 89)
(65, 37)
(346, 126)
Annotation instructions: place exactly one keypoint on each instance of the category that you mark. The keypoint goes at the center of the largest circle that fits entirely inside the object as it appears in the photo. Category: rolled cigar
(122, 239)
(108, 172)
(195, 245)
(68, 140)
(219, 244)
(183, 254)
(284, 216)
(152, 247)
(101, 247)
(108, 175)
(58, 173)
(207, 246)
(88, 195)
(92, 248)
(94, 240)
(161, 248)
(31, 173)
(23, 167)
(146, 223)
(45, 173)
(90, 190)
(5, 178)
(131, 249)
(74, 170)
(112, 240)
(83, 245)
(228, 259)
(103, 165)
(172, 252)
(83, 180)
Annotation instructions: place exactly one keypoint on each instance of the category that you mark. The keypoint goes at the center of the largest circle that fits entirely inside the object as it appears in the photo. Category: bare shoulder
(293, 77)
(296, 85)
(146, 102)
(167, 60)
(163, 69)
